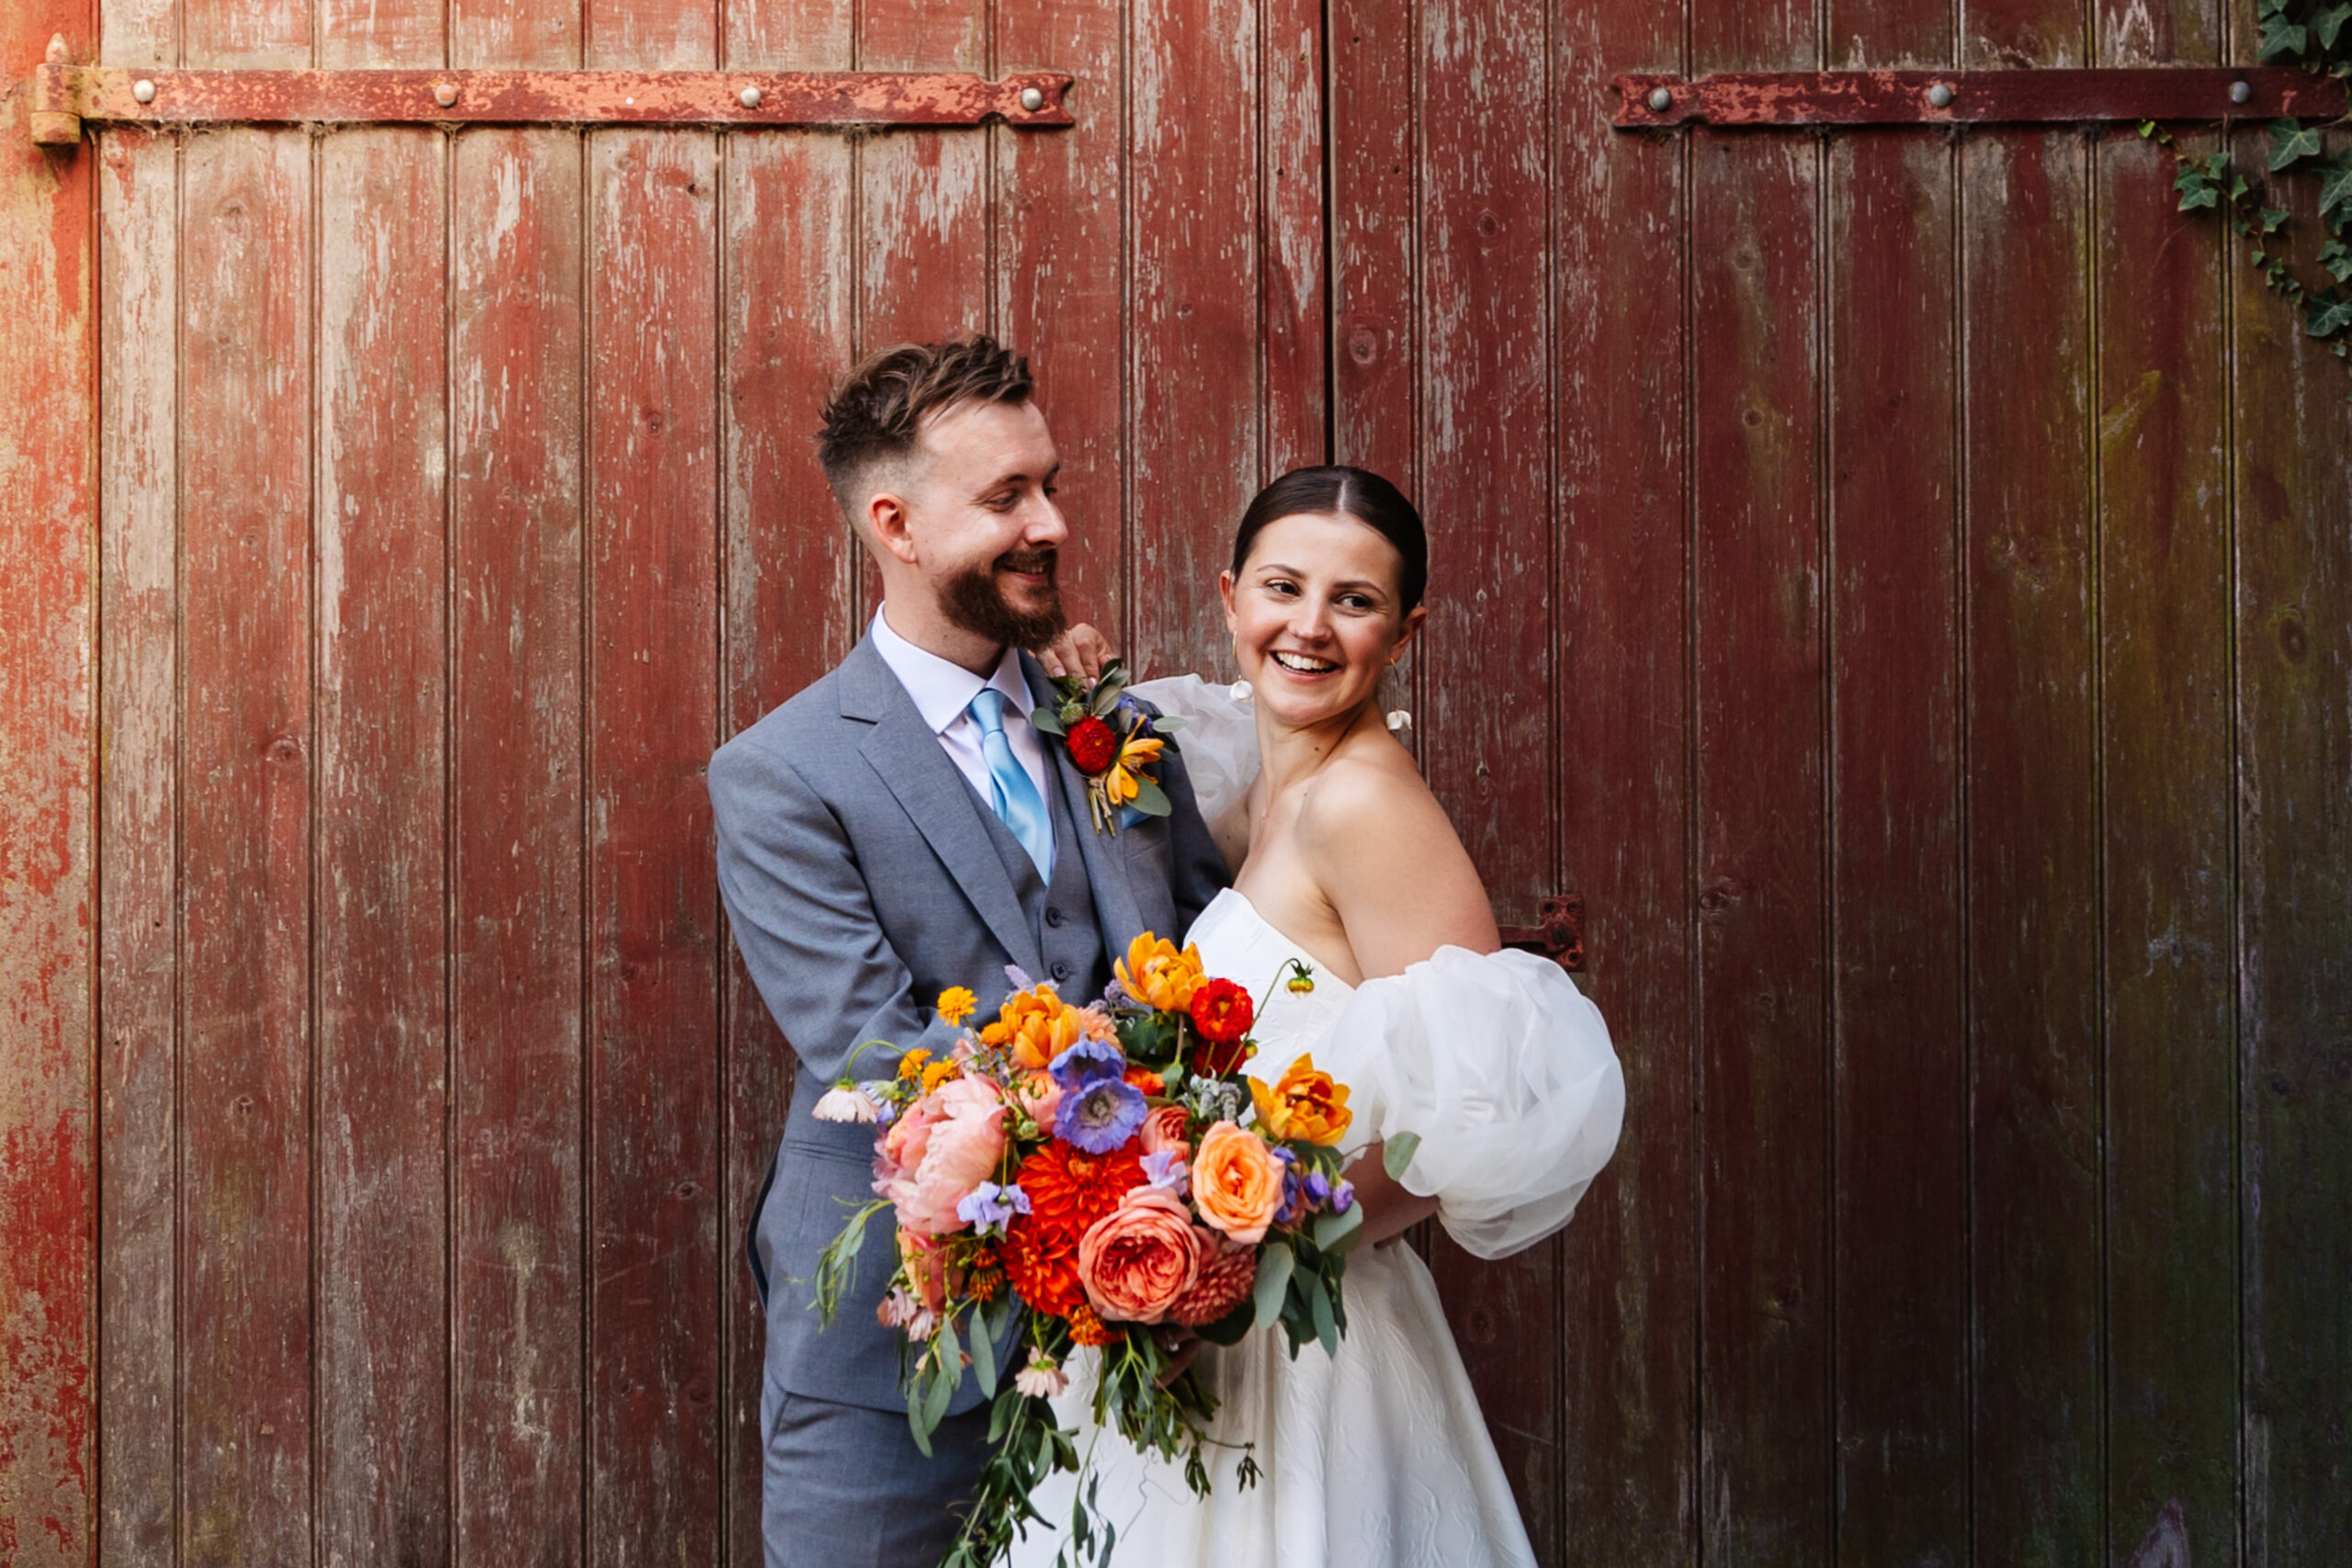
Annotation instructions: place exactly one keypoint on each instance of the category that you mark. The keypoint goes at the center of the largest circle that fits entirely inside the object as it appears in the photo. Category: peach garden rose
(1236, 1181)
(1137, 1259)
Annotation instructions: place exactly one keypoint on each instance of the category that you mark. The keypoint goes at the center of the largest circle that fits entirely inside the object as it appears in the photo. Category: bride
(1344, 861)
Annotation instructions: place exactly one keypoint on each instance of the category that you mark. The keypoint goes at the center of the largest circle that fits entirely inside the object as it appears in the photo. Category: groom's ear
(887, 525)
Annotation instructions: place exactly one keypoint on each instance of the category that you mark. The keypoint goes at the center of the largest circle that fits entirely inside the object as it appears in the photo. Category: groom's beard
(972, 600)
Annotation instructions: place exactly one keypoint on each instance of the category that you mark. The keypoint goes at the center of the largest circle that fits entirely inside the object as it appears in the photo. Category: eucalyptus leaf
(2292, 141)
(915, 1403)
(1150, 799)
(1044, 720)
(1273, 1283)
(1326, 1328)
(1337, 1232)
(943, 1378)
(983, 1356)
(1397, 1155)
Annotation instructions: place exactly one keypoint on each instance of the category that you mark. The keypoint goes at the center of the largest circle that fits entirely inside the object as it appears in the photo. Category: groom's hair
(876, 410)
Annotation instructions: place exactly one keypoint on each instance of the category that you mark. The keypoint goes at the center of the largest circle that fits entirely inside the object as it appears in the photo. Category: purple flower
(1166, 1169)
(1343, 1196)
(989, 1207)
(1318, 1187)
(1088, 1062)
(1020, 978)
(1101, 1116)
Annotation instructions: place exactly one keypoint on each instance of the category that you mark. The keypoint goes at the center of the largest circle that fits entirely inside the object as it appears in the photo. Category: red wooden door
(1897, 579)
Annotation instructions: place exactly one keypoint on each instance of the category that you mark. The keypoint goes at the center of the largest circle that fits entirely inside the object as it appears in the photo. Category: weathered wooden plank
(2166, 773)
(1292, 308)
(138, 807)
(381, 978)
(1058, 278)
(1373, 230)
(653, 902)
(517, 1306)
(1629, 1467)
(229, 35)
(48, 471)
(2294, 834)
(923, 198)
(1196, 410)
(1900, 1230)
(378, 35)
(1759, 570)
(248, 744)
(649, 35)
(1486, 665)
(788, 312)
(2033, 876)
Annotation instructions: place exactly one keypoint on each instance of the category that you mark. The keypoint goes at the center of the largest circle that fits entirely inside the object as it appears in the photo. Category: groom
(895, 829)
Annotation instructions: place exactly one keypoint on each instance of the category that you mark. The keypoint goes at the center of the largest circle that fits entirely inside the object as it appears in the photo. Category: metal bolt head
(445, 94)
(143, 90)
(1032, 99)
(748, 98)
(1660, 100)
(2241, 92)
(1939, 95)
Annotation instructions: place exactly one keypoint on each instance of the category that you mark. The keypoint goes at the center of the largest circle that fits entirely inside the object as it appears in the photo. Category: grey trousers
(845, 1487)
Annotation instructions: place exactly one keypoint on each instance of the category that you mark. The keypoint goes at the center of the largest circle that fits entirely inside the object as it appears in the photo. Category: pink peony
(961, 1143)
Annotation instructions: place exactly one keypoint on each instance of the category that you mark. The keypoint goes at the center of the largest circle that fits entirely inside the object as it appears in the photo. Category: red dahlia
(1223, 1280)
(1222, 1013)
(1092, 746)
(1069, 1189)
(1042, 1265)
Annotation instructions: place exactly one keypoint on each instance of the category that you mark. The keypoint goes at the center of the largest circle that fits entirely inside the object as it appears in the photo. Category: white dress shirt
(944, 689)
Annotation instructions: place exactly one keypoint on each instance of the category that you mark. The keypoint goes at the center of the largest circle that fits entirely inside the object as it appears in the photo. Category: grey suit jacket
(861, 882)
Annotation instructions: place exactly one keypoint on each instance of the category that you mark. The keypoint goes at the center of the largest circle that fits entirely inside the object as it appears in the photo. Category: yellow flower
(939, 1073)
(956, 1004)
(1135, 752)
(1158, 976)
(1307, 1106)
(910, 1065)
(1039, 1026)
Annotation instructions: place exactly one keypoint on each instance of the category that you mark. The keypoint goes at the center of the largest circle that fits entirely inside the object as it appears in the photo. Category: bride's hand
(1081, 650)
(1390, 1209)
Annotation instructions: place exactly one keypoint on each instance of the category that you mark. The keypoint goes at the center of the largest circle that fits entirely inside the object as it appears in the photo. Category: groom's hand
(1082, 651)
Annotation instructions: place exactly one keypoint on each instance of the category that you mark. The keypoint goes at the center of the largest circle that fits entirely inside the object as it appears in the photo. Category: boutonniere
(1112, 740)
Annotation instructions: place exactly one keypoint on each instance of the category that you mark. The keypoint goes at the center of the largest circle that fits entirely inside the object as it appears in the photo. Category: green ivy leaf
(2327, 314)
(2335, 187)
(2335, 260)
(2292, 141)
(2281, 37)
(2196, 189)
(2147, 129)
(2329, 24)
(2273, 219)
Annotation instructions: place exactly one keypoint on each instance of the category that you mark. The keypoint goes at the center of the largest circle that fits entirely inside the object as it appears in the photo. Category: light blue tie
(1012, 792)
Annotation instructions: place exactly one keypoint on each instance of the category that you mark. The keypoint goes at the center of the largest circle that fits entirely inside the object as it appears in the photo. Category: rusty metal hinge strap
(1764, 98)
(1559, 933)
(66, 97)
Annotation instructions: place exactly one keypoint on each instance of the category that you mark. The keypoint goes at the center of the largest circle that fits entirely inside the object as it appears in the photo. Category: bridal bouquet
(1113, 1170)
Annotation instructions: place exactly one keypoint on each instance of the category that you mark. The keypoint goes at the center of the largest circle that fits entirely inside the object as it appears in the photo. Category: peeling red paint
(1977, 98)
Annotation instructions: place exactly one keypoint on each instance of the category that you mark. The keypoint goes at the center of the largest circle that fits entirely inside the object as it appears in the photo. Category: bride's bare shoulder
(1389, 861)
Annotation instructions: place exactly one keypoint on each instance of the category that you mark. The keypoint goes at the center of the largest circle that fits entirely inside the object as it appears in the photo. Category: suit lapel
(907, 756)
(1101, 853)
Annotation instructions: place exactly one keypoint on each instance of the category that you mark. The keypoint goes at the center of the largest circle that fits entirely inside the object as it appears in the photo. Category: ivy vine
(2317, 36)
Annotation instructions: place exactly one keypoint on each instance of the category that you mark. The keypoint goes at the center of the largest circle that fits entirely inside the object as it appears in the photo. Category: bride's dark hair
(1351, 492)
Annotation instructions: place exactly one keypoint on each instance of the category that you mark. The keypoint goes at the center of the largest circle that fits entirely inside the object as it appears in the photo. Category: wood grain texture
(2165, 775)
(517, 1301)
(2294, 834)
(1486, 663)
(1195, 440)
(923, 195)
(1059, 275)
(138, 810)
(1629, 1468)
(49, 475)
(787, 254)
(1292, 307)
(380, 982)
(2033, 887)
(653, 1174)
(1900, 1222)
(248, 740)
(1763, 1124)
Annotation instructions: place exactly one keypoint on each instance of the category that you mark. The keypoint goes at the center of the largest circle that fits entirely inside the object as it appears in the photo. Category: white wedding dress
(1377, 1457)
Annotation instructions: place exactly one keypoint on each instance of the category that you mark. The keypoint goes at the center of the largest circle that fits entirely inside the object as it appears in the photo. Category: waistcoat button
(1061, 970)
(1053, 916)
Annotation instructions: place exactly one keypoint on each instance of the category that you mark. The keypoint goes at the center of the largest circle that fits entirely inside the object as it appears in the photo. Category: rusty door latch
(67, 96)
(1557, 934)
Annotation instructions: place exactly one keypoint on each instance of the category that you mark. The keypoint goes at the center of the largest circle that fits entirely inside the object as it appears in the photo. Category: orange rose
(1306, 1105)
(1238, 1182)
(1136, 1260)
(1164, 1129)
(1158, 976)
(1037, 1025)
